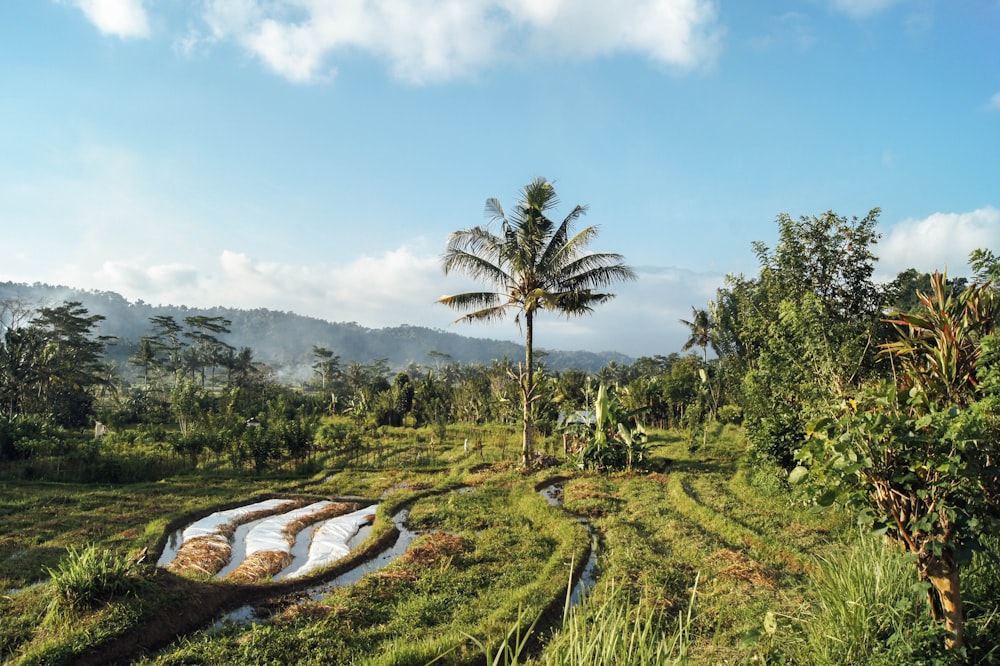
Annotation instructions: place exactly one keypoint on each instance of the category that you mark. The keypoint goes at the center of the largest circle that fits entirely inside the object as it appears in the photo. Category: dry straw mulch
(264, 564)
(658, 478)
(205, 555)
(738, 566)
(329, 511)
(259, 566)
(209, 554)
(432, 548)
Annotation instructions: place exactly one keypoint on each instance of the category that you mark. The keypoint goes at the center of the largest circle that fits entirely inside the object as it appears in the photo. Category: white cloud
(995, 102)
(941, 241)
(401, 287)
(395, 288)
(642, 320)
(436, 40)
(124, 18)
(860, 9)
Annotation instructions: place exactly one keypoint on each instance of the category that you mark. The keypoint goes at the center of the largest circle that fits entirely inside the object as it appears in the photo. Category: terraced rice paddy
(484, 551)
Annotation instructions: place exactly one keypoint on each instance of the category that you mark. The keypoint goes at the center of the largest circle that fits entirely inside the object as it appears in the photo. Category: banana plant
(616, 439)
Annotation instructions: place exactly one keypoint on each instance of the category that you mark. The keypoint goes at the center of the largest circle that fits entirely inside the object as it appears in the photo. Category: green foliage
(916, 476)
(938, 345)
(52, 366)
(25, 436)
(986, 266)
(919, 461)
(92, 575)
(190, 403)
(903, 293)
(730, 414)
(802, 332)
(615, 440)
(702, 331)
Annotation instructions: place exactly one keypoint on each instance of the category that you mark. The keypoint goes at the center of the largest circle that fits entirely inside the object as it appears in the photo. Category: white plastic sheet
(211, 525)
(329, 541)
(270, 535)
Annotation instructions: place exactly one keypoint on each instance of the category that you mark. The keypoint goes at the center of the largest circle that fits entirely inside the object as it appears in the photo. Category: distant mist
(284, 340)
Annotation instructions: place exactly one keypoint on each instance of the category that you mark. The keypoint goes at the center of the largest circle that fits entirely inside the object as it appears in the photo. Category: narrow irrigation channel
(552, 492)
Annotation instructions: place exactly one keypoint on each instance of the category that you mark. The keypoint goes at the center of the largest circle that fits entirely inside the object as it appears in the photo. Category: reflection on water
(553, 494)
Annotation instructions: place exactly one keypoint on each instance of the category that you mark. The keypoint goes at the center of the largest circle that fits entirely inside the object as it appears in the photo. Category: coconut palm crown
(533, 264)
(702, 332)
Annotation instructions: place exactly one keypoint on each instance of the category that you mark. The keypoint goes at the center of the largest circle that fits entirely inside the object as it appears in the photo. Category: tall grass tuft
(618, 630)
(89, 576)
(868, 607)
(980, 582)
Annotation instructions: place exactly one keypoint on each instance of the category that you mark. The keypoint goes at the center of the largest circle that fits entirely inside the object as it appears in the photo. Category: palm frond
(472, 299)
(492, 314)
(476, 267)
(539, 195)
(476, 240)
(560, 248)
(494, 210)
(577, 245)
(575, 302)
(596, 271)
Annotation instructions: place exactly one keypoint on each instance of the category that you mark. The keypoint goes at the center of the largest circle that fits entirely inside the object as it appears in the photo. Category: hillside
(284, 340)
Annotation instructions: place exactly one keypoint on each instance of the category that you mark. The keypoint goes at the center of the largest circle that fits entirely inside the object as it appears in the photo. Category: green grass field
(694, 564)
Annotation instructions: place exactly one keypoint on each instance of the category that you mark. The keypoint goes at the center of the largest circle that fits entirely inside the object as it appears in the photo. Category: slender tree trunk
(946, 603)
(527, 389)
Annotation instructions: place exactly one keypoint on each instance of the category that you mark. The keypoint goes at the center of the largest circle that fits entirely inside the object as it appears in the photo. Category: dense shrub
(730, 414)
(91, 575)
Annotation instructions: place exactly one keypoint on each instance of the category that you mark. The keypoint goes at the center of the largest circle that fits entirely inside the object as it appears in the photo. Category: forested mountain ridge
(284, 340)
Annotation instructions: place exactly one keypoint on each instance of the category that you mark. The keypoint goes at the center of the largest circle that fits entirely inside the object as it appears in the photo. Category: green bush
(31, 436)
(730, 414)
(89, 576)
(980, 582)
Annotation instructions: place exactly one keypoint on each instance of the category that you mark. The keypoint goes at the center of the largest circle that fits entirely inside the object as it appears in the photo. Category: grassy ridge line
(729, 530)
(544, 598)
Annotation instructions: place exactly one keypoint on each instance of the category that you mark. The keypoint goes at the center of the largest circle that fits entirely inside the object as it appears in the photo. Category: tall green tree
(20, 370)
(534, 264)
(145, 357)
(168, 344)
(52, 366)
(326, 365)
(804, 331)
(72, 361)
(208, 348)
(986, 266)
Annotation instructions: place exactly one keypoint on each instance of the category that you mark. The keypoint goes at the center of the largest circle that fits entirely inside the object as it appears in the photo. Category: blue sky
(314, 155)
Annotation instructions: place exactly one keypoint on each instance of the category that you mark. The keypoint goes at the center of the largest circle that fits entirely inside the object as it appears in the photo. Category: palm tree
(145, 357)
(702, 331)
(534, 264)
(702, 335)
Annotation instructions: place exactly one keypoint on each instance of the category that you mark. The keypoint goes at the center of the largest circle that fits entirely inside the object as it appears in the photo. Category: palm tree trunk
(527, 389)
